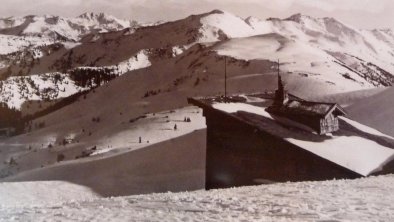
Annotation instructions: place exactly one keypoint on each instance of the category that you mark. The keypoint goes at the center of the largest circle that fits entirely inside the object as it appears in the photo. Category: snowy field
(367, 199)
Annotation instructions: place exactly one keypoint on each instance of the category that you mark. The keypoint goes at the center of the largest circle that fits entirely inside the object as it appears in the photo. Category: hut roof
(298, 106)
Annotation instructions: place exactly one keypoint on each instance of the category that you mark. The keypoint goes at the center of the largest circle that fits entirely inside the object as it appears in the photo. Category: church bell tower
(281, 96)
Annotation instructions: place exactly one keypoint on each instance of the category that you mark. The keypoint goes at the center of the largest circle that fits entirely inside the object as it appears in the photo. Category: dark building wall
(7, 132)
(239, 154)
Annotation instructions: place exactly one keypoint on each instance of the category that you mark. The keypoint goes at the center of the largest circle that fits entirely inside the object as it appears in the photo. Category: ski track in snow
(366, 199)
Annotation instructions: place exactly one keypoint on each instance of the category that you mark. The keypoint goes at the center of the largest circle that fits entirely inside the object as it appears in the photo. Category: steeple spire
(281, 96)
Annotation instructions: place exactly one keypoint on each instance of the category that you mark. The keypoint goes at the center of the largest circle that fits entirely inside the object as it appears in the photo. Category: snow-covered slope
(367, 199)
(375, 111)
(44, 87)
(219, 25)
(173, 158)
(11, 43)
(301, 61)
(52, 86)
(59, 28)
(334, 55)
(317, 55)
(331, 35)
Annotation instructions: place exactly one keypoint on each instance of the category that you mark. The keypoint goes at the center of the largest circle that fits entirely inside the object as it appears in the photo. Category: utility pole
(225, 77)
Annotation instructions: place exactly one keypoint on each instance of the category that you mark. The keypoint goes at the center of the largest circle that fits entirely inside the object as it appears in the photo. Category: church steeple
(281, 96)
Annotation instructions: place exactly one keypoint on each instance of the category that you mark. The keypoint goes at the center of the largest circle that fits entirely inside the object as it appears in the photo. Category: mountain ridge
(71, 28)
(317, 49)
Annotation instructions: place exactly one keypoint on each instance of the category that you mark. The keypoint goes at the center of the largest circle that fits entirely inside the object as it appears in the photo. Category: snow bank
(42, 193)
(367, 199)
(355, 153)
(235, 107)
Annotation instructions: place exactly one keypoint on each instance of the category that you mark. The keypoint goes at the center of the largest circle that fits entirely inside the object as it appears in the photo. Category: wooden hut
(321, 117)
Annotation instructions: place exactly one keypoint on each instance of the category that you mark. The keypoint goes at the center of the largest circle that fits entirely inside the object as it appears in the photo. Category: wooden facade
(329, 124)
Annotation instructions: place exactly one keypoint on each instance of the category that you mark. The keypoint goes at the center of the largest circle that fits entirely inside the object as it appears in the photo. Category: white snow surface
(366, 199)
(10, 43)
(364, 128)
(230, 25)
(138, 61)
(235, 107)
(355, 153)
(42, 193)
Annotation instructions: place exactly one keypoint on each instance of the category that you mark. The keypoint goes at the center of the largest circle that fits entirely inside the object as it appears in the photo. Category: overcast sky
(358, 13)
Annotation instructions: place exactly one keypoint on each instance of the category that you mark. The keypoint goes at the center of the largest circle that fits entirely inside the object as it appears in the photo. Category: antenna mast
(225, 77)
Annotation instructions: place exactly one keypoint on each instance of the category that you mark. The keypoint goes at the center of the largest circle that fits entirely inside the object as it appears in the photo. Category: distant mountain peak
(385, 30)
(299, 18)
(331, 20)
(216, 11)
(92, 15)
(249, 20)
(70, 28)
(213, 12)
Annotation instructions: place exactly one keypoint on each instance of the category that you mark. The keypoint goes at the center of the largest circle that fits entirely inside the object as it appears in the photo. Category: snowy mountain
(59, 28)
(353, 56)
(319, 55)
(129, 86)
(365, 53)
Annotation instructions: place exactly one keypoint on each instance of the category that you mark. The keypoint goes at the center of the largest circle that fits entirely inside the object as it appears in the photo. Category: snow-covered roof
(356, 147)
(307, 108)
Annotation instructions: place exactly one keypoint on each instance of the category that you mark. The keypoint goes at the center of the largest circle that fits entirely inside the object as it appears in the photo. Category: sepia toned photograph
(197, 110)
